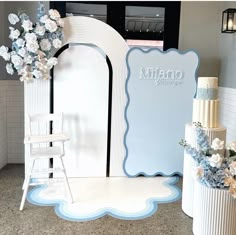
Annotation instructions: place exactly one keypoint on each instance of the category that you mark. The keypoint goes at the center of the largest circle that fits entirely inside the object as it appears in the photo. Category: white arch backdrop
(79, 29)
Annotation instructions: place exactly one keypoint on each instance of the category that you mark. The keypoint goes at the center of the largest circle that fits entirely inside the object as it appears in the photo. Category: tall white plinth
(188, 185)
(214, 211)
(189, 164)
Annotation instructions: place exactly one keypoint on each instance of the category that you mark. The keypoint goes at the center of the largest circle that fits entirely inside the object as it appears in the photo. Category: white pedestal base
(189, 164)
(214, 211)
(188, 185)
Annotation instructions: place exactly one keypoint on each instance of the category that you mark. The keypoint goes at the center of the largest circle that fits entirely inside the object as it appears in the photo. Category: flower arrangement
(215, 168)
(33, 44)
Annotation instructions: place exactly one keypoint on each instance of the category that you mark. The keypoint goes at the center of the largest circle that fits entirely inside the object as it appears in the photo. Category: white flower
(232, 146)
(39, 65)
(24, 70)
(22, 52)
(26, 77)
(57, 43)
(45, 45)
(29, 54)
(198, 172)
(28, 59)
(4, 53)
(13, 18)
(233, 168)
(40, 30)
(30, 37)
(37, 73)
(17, 61)
(14, 34)
(215, 160)
(43, 61)
(43, 18)
(51, 62)
(6, 56)
(27, 25)
(54, 14)
(20, 42)
(232, 191)
(60, 22)
(217, 144)
(3, 50)
(46, 76)
(32, 46)
(13, 53)
(20, 71)
(9, 68)
(41, 54)
(50, 25)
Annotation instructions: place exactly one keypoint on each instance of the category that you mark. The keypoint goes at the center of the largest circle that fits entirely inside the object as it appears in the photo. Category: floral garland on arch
(33, 44)
(214, 168)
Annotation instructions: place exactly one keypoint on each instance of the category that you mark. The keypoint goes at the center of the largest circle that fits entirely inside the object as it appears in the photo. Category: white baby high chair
(46, 140)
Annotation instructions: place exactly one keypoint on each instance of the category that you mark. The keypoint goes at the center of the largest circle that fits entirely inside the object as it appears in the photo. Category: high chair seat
(45, 138)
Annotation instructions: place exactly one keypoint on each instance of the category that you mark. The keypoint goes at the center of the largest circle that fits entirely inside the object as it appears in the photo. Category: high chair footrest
(47, 181)
(47, 171)
(47, 152)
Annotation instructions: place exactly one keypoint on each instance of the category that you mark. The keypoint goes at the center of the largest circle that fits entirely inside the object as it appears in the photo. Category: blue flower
(212, 176)
(40, 10)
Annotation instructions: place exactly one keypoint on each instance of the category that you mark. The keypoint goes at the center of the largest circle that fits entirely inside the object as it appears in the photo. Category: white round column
(188, 185)
(189, 164)
(214, 211)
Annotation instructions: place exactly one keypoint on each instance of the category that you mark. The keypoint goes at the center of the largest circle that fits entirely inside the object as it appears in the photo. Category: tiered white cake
(205, 111)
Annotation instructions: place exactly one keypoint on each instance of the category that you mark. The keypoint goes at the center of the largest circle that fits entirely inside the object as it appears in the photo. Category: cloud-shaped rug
(120, 197)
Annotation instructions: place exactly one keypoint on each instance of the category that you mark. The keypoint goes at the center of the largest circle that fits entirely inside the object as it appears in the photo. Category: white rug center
(121, 197)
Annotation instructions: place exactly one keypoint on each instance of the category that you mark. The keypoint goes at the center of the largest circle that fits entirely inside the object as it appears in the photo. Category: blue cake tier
(207, 94)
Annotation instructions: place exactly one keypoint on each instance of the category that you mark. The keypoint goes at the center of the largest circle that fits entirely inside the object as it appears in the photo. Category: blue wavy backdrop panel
(160, 88)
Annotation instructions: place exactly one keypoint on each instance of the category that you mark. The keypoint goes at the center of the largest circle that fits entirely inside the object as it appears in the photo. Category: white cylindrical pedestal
(188, 185)
(214, 211)
(189, 164)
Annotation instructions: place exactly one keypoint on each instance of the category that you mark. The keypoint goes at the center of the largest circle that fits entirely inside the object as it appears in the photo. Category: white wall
(2, 36)
(3, 129)
(200, 28)
(11, 125)
(12, 92)
(14, 96)
(15, 121)
(227, 52)
(199, 25)
(3, 86)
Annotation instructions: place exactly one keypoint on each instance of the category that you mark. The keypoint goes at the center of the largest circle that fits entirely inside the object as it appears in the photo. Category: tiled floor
(37, 220)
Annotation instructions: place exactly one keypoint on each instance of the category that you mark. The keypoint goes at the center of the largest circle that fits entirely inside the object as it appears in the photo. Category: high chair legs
(28, 177)
(66, 182)
(26, 184)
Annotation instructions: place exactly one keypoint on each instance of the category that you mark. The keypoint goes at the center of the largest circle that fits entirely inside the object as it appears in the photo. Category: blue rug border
(152, 204)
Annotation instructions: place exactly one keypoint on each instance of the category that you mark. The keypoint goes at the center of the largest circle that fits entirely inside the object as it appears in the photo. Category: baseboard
(16, 161)
(3, 163)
